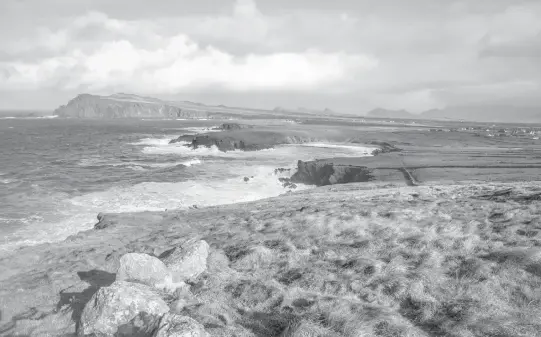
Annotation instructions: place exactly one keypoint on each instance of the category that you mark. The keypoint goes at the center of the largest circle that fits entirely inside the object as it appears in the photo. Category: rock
(226, 143)
(104, 222)
(184, 299)
(322, 172)
(246, 179)
(384, 147)
(143, 268)
(173, 325)
(286, 183)
(281, 170)
(120, 309)
(183, 139)
(235, 139)
(232, 126)
(187, 262)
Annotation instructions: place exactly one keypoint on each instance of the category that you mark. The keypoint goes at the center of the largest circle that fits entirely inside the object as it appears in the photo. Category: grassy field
(349, 260)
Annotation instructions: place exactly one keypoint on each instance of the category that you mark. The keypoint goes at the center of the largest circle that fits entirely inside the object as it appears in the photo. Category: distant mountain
(384, 113)
(133, 106)
(496, 113)
(127, 106)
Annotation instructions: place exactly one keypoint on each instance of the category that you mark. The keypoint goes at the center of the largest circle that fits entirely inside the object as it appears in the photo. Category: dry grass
(341, 261)
(434, 263)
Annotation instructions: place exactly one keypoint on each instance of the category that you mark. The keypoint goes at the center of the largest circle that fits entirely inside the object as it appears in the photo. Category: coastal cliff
(242, 137)
(124, 106)
(322, 173)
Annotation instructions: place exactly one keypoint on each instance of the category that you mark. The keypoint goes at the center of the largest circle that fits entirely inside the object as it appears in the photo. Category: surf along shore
(437, 234)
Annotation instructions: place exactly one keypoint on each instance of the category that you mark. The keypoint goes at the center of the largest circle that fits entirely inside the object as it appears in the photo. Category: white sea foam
(198, 130)
(180, 149)
(7, 181)
(54, 230)
(154, 196)
(23, 117)
(153, 141)
(146, 166)
(138, 166)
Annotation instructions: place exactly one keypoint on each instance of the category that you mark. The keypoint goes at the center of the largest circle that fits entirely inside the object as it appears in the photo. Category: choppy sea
(56, 175)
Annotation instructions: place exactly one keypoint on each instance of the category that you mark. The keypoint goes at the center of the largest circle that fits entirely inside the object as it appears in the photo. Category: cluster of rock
(135, 305)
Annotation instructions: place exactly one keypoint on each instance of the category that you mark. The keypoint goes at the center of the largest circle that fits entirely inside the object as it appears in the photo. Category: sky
(348, 56)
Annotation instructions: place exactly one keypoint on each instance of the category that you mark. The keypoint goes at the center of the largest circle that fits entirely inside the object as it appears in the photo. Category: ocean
(56, 175)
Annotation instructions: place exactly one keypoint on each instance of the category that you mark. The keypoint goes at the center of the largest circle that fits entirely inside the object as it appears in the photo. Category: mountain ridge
(482, 113)
(123, 105)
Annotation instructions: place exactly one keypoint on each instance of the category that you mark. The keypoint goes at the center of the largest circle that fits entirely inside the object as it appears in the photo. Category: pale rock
(173, 325)
(187, 262)
(143, 268)
(117, 306)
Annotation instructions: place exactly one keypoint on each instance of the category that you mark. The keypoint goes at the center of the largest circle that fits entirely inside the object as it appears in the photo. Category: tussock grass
(437, 262)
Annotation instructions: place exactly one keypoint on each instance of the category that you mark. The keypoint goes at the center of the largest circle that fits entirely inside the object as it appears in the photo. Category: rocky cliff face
(321, 173)
(240, 137)
(222, 143)
(123, 106)
(232, 126)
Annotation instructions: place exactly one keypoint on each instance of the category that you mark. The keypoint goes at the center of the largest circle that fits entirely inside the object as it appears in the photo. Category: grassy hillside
(349, 260)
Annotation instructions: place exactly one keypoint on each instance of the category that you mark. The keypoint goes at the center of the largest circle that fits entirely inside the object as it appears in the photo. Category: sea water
(56, 175)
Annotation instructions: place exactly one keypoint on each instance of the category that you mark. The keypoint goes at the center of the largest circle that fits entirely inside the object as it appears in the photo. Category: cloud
(416, 55)
(119, 58)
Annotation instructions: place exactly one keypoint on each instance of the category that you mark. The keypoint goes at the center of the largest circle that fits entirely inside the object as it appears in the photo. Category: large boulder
(187, 262)
(122, 309)
(173, 325)
(143, 268)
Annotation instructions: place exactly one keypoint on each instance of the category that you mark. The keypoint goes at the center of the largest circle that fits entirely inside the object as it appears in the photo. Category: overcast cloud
(346, 55)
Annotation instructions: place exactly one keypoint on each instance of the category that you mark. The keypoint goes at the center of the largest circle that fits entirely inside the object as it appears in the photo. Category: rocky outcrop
(122, 309)
(252, 139)
(384, 147)
(187, 261)
(286, 183)
(145, 269)
(173, 325)
(321, 173)
(135, 305)
(223, 143)
(183, 139)
(232, 126)
(124, 106)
